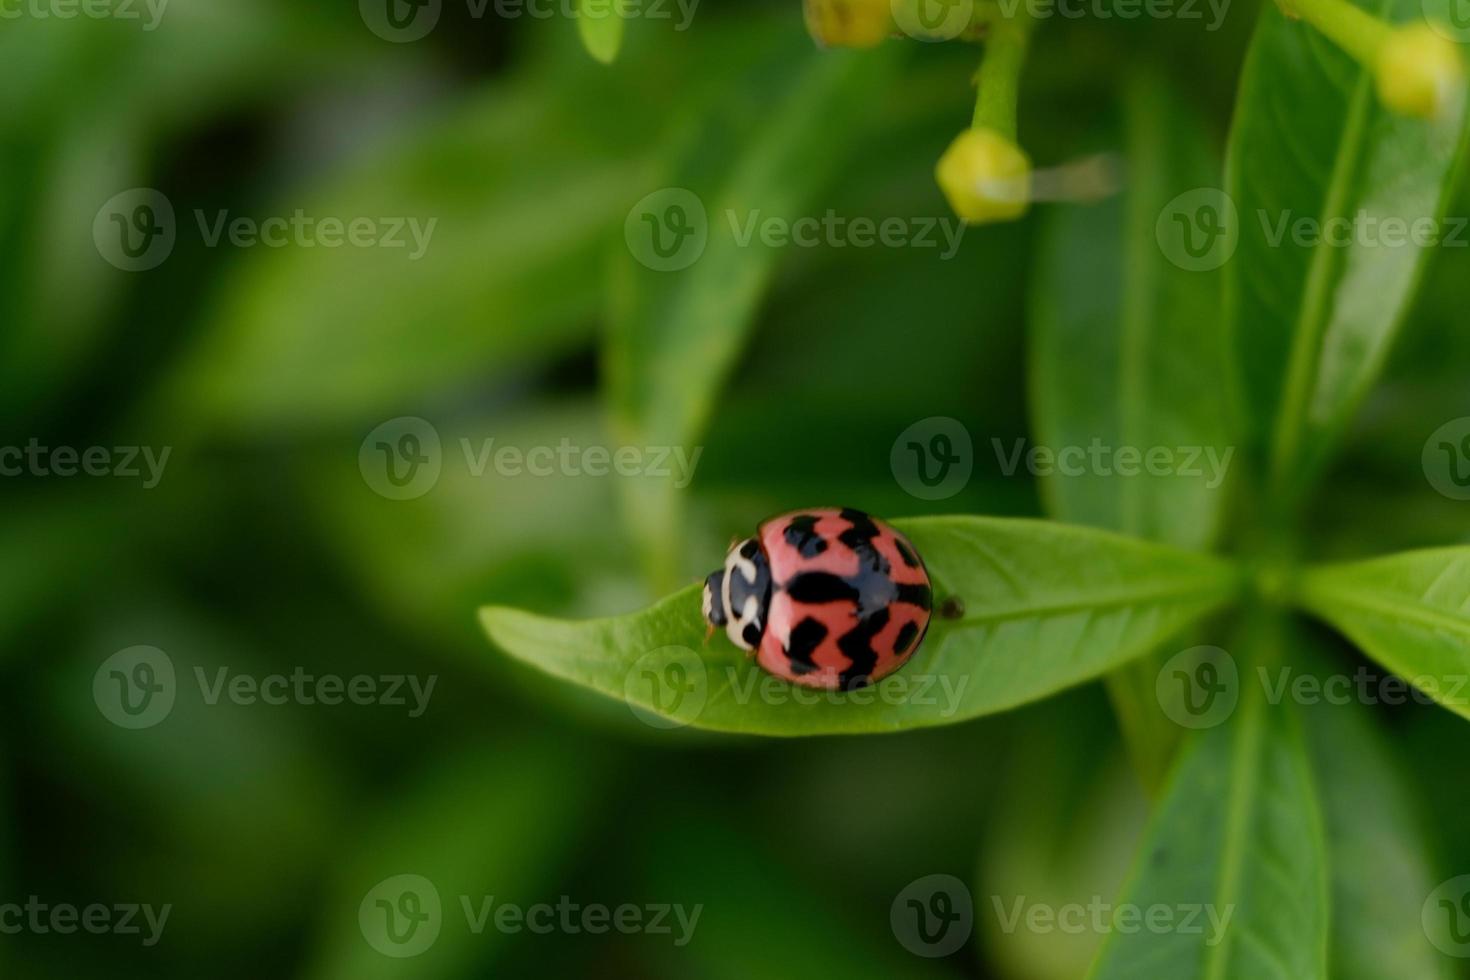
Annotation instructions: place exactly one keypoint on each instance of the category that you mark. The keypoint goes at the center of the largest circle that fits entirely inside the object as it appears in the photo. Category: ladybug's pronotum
(824, 598)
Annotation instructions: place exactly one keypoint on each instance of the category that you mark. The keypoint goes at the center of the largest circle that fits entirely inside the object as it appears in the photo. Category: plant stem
(1000, 75)
(1354, 30)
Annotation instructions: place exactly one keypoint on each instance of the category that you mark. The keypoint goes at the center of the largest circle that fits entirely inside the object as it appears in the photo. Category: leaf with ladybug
(1022, 609)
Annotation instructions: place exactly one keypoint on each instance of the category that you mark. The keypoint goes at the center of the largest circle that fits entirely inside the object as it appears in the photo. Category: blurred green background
(264, 549)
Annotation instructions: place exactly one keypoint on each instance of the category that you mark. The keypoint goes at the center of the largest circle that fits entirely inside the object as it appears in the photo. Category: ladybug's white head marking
(737, 595)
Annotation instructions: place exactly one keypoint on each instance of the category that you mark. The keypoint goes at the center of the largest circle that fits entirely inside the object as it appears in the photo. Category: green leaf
(504, 268)
(600, 23)
(1035, 852)
(494, 821)
(739, 875)
(679, 326)
(525, 188)
(1046, 606)
(1410, 612)
(1380, 872)
(1127, 352)
(1310, 322)
(1237, 834)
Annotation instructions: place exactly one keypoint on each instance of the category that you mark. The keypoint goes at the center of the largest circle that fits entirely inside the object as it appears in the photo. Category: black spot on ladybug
(802, 535)
(805, 638)
(916, 595)
(860, 537)
(818, 588)
(906, 553)
(905, 640)
(749, 549)
(857, 645)
(752, 634)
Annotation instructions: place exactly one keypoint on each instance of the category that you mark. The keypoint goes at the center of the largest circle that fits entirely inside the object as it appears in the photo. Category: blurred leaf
(494, 821)
(600, 24)
(1037, 850)
(480, 532)
(82, 104)
(502, 266)
(1127, 351)
(1237, 842)
(1410, 612)
(1126, 347)
(678, 328)
(525, 188)
(727, 870)
(1379, 869)
(180, 784)
(1046, 607)
(1311, 322)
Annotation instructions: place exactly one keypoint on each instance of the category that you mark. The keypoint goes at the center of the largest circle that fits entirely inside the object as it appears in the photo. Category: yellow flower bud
(849, 23)
(985, 176)
(1420, 72)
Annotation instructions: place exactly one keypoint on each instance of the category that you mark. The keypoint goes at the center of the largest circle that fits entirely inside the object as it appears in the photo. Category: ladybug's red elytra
(828, 598)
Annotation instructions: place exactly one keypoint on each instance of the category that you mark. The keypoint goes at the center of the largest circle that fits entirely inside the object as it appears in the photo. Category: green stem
(1354, 30)
(1000, 75)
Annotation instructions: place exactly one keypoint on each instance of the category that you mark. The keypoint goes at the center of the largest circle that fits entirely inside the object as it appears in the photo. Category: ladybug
(825, 598)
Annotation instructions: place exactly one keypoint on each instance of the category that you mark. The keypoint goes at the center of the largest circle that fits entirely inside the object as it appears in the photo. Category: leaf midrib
(1244, 777)
(1157, 596)
(1365, 600)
